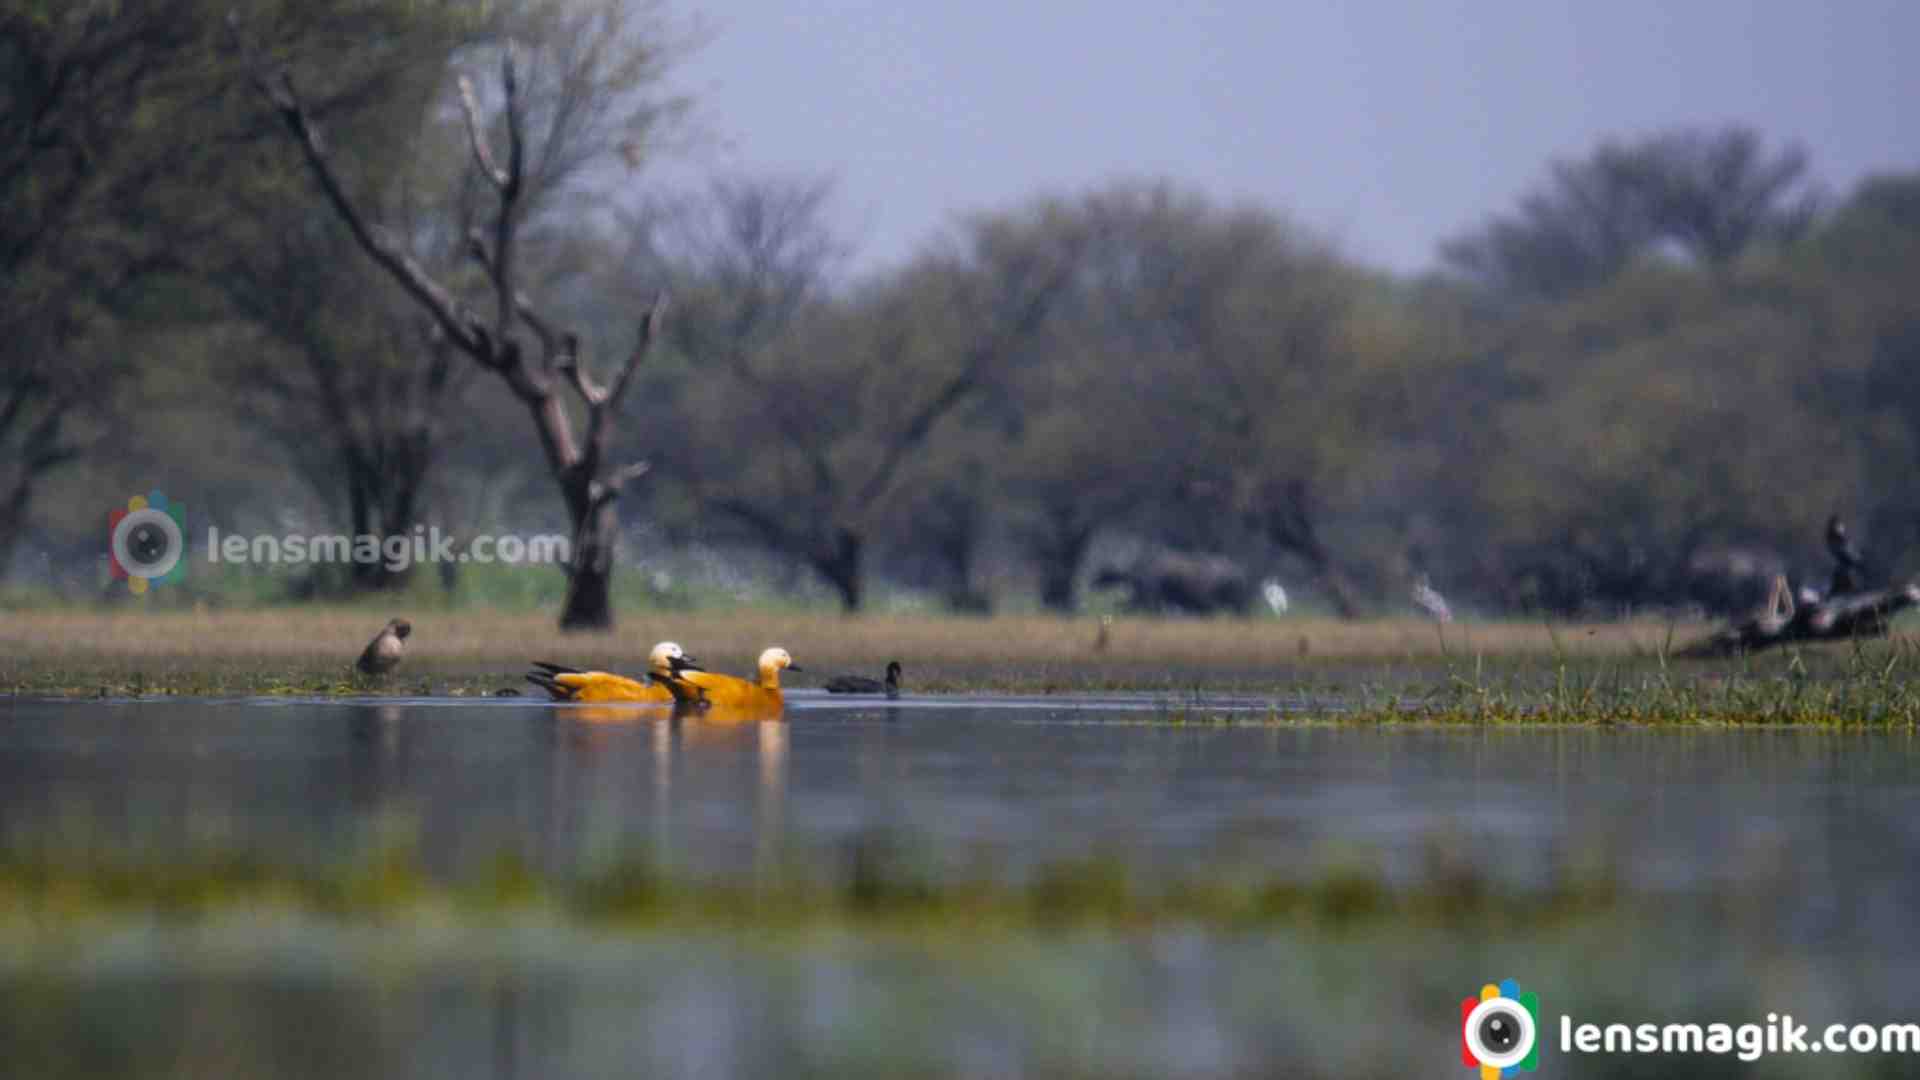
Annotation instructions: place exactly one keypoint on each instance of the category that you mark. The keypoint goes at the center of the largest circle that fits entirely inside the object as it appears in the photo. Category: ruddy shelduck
(602, 687)
(725, 693)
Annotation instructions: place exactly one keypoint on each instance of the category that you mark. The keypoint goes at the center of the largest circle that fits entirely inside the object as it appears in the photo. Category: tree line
(392, 245)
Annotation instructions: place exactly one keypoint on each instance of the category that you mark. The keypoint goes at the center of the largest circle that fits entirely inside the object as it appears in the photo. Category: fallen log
(1868, 613)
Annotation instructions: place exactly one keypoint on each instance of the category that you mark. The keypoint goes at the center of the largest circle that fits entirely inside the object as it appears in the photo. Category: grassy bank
(1005, 652)
(1391, 669)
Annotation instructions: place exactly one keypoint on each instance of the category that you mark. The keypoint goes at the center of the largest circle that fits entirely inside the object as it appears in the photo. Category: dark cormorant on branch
(1849, 570)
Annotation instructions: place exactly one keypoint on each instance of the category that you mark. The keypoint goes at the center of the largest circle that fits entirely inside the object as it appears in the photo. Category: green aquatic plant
(887, 885)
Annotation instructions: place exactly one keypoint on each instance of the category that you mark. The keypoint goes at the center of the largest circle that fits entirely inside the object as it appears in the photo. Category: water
(1770, 870)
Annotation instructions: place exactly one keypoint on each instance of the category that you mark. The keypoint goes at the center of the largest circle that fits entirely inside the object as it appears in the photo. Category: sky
(1386, 126)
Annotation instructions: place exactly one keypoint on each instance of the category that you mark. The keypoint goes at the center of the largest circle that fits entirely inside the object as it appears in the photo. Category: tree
(380, 381)
(1581, 227)
(1710, 195)
(355, 389)
(1195, 386)
(585, 98)
(106, 199)
(820, 404)
(1717, 194)
(43, 405)
(1853, 282)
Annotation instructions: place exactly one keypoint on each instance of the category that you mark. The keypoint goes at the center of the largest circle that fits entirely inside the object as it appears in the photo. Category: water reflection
(1781, 863)
(569, 790)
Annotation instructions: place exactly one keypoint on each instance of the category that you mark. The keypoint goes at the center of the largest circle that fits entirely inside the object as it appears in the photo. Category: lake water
(1770, 870)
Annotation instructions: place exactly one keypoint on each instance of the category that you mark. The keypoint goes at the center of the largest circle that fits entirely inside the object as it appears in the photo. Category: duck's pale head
(773, 661)
(667, 658)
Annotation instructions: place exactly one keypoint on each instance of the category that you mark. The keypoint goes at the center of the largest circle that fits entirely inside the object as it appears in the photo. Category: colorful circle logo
(1499, 1031)
(147, 542)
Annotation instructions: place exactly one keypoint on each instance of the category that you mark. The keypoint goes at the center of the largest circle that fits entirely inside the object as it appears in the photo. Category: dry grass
(321, 639)
(1384, 670)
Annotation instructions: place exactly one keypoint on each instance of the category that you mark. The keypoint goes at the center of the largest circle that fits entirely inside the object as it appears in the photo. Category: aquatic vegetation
(883, 885)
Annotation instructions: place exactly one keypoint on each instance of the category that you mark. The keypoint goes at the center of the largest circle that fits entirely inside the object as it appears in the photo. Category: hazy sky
(1387, 125)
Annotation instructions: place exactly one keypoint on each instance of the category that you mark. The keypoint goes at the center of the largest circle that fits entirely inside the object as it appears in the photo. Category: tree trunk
(1287, 520)
(381, 505)
(841, 567)
(1339, 590)
(13, 521)
(1060, 557)
(589, 604)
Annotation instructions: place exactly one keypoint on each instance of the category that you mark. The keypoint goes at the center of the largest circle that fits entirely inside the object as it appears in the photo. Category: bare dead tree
(589, 482)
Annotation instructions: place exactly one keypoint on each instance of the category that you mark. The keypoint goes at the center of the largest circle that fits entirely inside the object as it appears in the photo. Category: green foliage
(1711, 195)
(1669, 360)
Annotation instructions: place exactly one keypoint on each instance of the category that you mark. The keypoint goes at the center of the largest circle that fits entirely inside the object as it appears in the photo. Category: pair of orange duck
(673, 678)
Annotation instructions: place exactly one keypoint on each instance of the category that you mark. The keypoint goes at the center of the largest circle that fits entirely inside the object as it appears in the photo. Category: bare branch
(615, 485)
(568, 365)
(516, 136)
(1025, 322)
(776, 534)
(601, 408)
(481, 154)
(550, 344)
(373, 239)
(629, 472)
(649, 329)
(506, 226)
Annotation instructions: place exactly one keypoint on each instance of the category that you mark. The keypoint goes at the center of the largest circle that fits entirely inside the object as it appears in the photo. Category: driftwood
(1868, 613)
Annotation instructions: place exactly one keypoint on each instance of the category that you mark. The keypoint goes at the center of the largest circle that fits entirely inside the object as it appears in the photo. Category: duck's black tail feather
(552, 668)
(553, 687)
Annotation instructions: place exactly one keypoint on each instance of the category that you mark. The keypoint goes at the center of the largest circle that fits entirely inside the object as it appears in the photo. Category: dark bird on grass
(383, 653)
(1849, 568)
(860, 684)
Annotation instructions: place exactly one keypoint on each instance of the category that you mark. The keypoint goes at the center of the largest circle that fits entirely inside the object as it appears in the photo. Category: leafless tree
(578, 458)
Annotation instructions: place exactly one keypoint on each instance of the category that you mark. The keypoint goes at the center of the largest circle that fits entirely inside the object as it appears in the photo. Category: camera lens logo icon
(1498, 1031)
(147, 542)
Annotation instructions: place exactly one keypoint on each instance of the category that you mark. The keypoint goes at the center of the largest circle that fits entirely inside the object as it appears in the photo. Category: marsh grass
(42, 890)
(1384, 671)
(318, 644)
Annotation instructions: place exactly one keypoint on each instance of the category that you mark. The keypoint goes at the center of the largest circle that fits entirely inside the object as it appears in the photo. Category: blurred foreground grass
(237, 967)
(877, 885)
